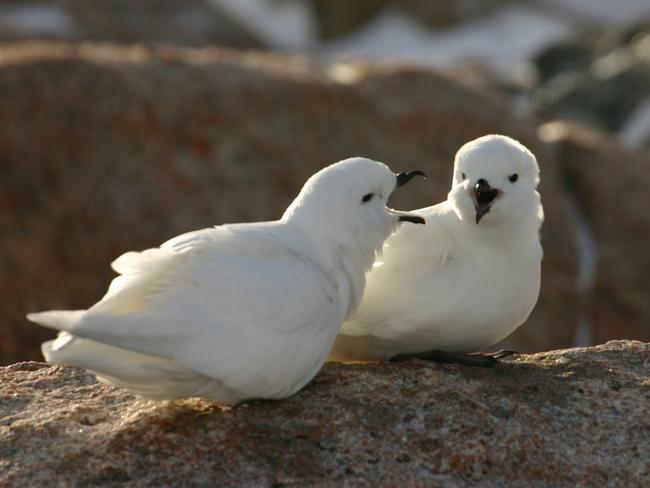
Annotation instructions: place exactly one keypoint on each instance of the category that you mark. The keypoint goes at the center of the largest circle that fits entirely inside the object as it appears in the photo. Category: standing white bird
(237, 311)
(468, 278)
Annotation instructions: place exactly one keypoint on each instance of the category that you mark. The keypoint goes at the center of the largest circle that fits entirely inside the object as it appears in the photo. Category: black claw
(404, 177)
(474, 359)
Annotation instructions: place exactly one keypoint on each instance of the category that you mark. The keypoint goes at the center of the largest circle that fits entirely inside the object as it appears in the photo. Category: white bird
(237, 311)
(468, 278)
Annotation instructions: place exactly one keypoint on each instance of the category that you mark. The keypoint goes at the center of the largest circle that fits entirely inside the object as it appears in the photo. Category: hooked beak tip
(404, 177)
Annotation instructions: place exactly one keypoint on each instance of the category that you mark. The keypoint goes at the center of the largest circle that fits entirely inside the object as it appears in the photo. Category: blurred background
(126, 122)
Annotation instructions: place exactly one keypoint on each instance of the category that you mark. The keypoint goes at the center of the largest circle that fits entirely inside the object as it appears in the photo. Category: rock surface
(562, 418)
(187, 22)
(336, 18)
(111, 149)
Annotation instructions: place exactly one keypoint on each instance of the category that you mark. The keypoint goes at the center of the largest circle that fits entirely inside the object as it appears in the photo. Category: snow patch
(38, 20)
(503, 42)
(281, 25)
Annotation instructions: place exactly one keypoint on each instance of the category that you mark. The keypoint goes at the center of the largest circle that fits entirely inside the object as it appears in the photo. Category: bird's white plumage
(453, 284)
(237, 311)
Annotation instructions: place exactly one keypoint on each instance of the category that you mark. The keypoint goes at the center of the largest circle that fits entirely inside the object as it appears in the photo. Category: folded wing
(231, 303)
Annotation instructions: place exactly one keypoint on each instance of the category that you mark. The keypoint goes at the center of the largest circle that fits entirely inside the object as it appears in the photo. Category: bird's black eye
(513, 177)
(463, 176)
(367, 197)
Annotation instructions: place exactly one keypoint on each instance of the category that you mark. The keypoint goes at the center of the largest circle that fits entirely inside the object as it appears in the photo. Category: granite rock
(573, 417)
(187, 22)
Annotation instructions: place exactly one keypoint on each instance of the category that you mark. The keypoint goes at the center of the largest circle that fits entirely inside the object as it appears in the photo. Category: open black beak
(415, 219)
(407, 217)
(404, 177)
(484, 196)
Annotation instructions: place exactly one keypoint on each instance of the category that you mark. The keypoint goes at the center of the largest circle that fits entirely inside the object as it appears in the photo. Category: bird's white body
(455, 285)
(237, 311)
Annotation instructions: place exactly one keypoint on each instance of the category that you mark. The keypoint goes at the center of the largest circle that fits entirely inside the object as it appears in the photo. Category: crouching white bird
(468, 278)
(237, 311)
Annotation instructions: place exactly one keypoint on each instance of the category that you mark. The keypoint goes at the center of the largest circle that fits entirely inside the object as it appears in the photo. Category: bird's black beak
(404, 177)
(406, 216)
(484, 196)
(415, 219)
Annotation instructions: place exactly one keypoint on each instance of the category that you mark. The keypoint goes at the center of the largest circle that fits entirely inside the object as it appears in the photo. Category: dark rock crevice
(584, 243)
(609, 187)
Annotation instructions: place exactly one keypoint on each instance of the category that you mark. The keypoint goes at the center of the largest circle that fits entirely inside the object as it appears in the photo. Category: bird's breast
(471, 305)
(499, 297)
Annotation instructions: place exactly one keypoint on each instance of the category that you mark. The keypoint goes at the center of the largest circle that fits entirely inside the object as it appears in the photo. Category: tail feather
(147, 376)
(70, 350)
(57, 319)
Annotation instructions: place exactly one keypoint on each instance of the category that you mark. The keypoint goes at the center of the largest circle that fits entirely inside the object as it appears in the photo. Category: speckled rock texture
(576, 417)
(107, 149)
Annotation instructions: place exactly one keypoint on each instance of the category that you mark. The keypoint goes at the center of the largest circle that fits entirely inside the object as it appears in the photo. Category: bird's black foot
(483, 360)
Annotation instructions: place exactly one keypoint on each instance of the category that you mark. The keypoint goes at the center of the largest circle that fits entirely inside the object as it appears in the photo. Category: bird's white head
(343, 206)
(494, 184)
